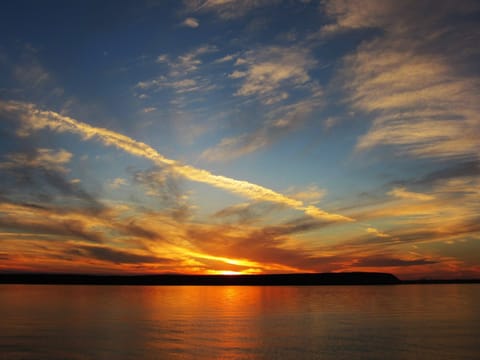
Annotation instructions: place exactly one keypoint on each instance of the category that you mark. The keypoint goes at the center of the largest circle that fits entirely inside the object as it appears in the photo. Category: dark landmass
(310, 279)
(353, 278)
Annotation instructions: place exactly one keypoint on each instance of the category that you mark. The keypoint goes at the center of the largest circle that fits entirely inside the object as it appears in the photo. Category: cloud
(47, 159)
(33, 119)
(191, 22)
(226, 9)
(179, 86)
(391, 15)
(32, 75)
(392, 262)
(281, 120)
(420, 105)
(246, 213)
(311, 193)
(452, 215)
(416, 79)
(278, 77)
(462, 169)
(183, 73)
(268, 248)
(403, 193)
(377, 232)
(187, 62)
(116, 256)
(42, 174)
(167, 187)
(269, 72)
(224, 59)
(51, 221)
(237, 74)
(117, 183)
(28, 70)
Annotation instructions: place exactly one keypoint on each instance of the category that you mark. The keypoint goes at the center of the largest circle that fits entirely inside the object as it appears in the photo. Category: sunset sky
(249, 136)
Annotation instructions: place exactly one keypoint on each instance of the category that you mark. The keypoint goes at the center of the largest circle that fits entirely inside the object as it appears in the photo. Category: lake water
(228, 322)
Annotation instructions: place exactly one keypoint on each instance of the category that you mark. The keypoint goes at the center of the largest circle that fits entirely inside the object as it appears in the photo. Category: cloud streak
(403, 193)
(191, 22)
(281, 120)
(34, 119)
(226, 9)
(411, 78)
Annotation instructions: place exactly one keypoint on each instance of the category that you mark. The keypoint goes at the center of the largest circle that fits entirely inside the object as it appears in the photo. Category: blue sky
(240, 136)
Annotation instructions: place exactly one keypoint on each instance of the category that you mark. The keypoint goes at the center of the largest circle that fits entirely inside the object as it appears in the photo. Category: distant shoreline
(355, 278)
(309, 279)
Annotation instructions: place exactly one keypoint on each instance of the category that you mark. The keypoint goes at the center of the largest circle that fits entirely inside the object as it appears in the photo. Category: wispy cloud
(247, 213)
(377, 232)
(117, 183)
(279, 121)
(410, 78)
(182, 76)
(226, 9)
(33, 119)
(278, 78)
(386, 261)
(311, 193)
(187, 62)
(450, 215)
(391, 15)
(109, 254)
(225, 59)
(191, 22)
(76, 224)
(43, 174)
(29, 71)
(48, 159)
(167, 187)
(403, 193)
(270, 73)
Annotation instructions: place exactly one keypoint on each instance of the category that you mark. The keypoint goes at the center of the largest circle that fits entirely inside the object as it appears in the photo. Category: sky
(248, 136)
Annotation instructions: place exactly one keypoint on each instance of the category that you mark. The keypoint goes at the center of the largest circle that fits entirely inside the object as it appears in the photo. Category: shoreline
(356, 278)
(308, 279)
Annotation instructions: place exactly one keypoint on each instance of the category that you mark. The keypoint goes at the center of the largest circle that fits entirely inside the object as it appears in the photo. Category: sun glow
(226, 260)
(229, 272)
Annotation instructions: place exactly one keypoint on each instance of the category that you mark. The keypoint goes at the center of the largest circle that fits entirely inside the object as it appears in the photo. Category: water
(228, 322)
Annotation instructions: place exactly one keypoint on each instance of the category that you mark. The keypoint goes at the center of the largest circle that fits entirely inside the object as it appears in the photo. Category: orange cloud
(403, 193)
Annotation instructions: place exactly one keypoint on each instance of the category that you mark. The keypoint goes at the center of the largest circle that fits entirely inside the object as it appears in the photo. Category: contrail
(33, 119)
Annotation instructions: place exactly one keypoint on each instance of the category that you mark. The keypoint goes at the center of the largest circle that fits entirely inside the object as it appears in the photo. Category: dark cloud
(105, 253)
(38, 220)
(463, 169)
(246, 213)
(299, 225)
(391, 261)
(132, 228)
(471, 227)
(59, 183)
(43, 182)
(163, 185)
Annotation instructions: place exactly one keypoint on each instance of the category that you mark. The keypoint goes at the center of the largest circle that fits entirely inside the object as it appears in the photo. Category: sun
(228, 272)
